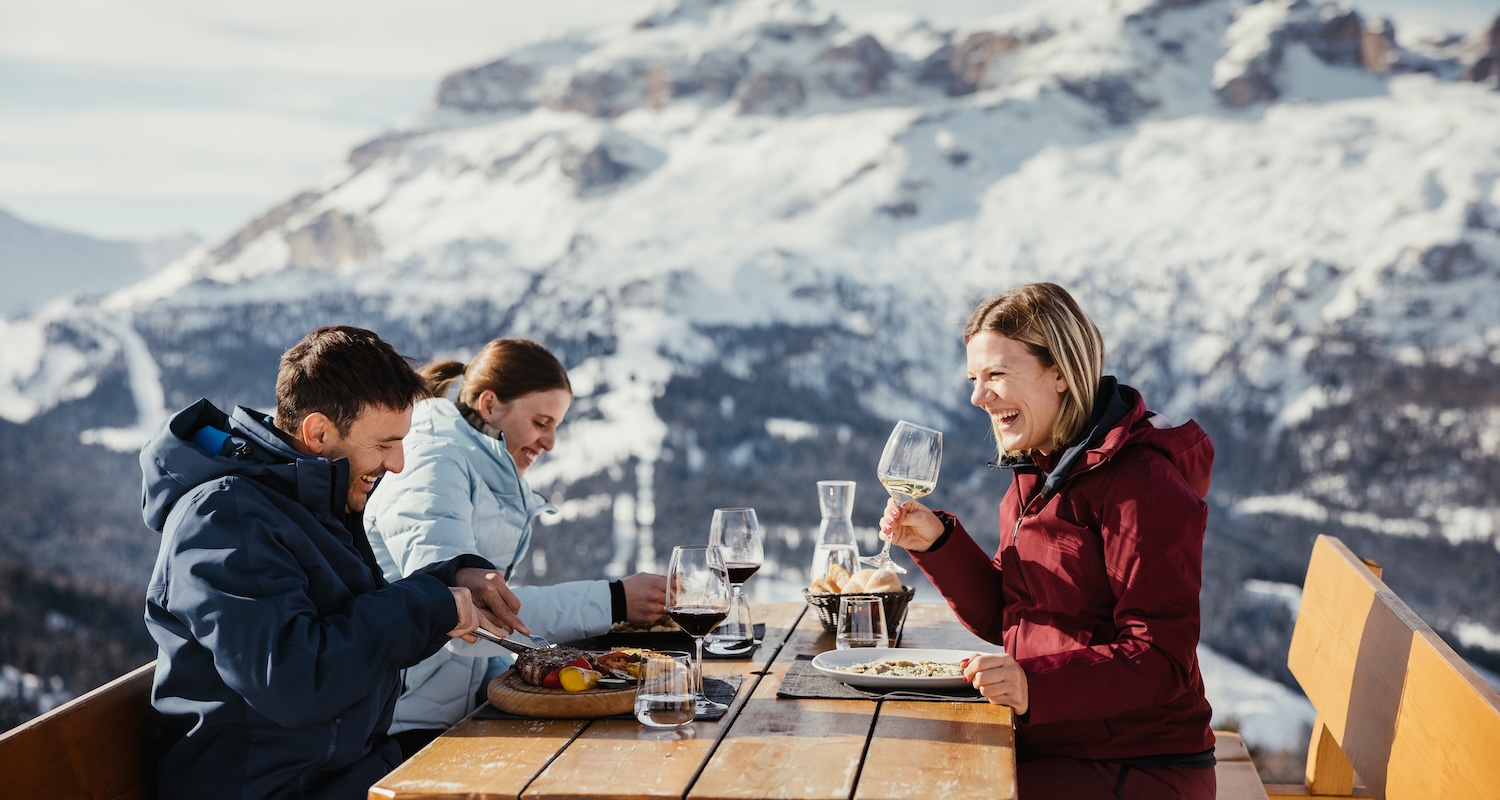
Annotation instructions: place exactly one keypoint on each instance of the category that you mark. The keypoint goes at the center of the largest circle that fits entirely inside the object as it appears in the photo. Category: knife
(509, 644)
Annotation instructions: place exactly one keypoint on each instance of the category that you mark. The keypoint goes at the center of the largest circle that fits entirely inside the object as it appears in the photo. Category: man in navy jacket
(280, 646)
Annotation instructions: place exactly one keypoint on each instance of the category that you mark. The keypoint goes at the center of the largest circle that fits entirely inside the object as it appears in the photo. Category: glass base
(705, 705)
(882, 561)
(736, 634)
(728, 647)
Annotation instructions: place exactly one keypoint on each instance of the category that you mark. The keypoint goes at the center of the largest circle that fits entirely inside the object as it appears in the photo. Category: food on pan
(535, 665)
(662, 625)
(550, 667)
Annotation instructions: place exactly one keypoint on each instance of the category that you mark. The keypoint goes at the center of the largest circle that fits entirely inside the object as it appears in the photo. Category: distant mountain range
(38, 263)
(753, 229)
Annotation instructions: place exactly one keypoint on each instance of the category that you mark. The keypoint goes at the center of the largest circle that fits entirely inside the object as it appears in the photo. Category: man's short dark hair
(340, 371)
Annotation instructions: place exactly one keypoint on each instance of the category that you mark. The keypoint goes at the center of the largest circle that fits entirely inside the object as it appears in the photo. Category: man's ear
(317, 433)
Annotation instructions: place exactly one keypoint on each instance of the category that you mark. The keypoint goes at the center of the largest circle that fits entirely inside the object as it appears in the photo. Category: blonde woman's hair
(1045, 318)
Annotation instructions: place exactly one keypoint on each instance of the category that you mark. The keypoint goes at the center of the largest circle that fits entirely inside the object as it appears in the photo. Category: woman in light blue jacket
(464, 491)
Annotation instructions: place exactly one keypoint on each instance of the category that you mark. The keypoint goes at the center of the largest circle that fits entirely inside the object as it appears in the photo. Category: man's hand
(469, 617)
(495, 601)
(645, 597)
(1000, 679)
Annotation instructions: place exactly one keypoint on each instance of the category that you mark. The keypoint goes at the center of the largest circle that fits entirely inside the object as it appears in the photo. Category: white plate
(828, 663)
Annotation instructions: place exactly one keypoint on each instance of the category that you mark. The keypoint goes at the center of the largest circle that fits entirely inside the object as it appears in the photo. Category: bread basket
(827, 606)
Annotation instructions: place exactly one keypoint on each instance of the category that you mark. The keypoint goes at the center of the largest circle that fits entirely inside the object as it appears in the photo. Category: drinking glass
(737, 533)
(861, 623)
(697, 600)
(664, 697)
(908, 470)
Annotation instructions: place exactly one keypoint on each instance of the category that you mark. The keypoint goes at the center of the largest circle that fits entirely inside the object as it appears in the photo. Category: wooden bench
(100, 746)
(1396, 707)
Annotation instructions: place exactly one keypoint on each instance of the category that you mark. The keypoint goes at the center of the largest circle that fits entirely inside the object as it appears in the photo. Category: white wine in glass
(908, 470)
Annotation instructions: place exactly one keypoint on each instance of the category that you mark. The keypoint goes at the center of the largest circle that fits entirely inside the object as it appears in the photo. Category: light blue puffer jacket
(460, 493)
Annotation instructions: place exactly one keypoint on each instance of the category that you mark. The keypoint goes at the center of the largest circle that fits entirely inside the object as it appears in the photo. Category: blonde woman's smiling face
(1022, 397)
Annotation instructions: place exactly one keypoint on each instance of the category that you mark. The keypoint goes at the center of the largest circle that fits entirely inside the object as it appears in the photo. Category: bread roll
(858, 582)
(820, 585)
(883, 580)
(837, 576)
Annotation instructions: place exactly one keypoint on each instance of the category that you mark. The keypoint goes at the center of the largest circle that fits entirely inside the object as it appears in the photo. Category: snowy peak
(779, 58)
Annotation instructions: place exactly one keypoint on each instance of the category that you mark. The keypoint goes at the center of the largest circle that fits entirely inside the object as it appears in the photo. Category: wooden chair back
(1395, 704)
(101, 746)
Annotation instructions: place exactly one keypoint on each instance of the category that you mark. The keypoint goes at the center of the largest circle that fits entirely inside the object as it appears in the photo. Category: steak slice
(535, 665)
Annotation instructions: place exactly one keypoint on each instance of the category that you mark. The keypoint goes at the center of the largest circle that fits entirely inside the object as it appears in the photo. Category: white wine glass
(738, 535)
(908, 470)
(698, 600)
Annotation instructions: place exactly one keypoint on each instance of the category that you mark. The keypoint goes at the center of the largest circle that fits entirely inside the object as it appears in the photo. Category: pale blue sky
(154, 117)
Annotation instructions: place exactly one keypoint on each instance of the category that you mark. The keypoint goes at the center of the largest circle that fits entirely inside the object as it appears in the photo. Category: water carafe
(835, 543)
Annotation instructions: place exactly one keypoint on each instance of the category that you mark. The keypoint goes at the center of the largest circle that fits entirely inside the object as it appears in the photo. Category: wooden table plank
(481, 759)
(814, 748)
(779, 748)
(939, 750)
(624, 759)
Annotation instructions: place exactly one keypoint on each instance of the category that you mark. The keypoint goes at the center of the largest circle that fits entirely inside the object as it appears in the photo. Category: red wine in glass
(740, 572)
(697, 621)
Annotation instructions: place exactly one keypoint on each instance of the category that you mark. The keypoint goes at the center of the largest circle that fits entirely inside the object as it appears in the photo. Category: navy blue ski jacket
(280, 646)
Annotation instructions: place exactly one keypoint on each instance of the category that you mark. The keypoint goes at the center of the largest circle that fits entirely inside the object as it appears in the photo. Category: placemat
(804, 682)
(719, 688)
(664, 640)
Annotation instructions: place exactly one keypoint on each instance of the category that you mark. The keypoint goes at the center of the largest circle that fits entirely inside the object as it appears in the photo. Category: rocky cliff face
(752, 230)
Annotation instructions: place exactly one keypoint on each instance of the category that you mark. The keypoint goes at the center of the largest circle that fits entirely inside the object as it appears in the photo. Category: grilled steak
(534, 665)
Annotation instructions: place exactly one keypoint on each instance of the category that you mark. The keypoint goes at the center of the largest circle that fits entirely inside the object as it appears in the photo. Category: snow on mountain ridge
(1005, 180)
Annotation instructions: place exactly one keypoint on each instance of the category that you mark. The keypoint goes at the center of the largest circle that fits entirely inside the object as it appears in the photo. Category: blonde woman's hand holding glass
(911, 527)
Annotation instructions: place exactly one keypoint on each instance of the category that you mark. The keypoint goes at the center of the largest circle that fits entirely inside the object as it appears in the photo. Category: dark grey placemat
(719, 688)
(804, 682)
(664, 640)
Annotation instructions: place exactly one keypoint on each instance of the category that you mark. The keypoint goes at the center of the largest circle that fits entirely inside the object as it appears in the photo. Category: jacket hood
(1120, 418)
(201, 444)
(1186, 446)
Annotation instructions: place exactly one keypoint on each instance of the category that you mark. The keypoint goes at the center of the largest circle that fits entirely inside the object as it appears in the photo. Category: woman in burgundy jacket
(1094, 591)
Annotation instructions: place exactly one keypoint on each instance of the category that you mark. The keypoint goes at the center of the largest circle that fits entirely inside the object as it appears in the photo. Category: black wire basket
(827, 606)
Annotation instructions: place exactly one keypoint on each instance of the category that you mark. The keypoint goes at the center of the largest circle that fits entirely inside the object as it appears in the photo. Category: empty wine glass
(908, 470)
(697, 600)
(737, 533)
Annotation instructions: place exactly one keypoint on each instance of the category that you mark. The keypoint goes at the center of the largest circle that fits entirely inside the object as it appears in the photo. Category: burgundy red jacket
(1095, 587)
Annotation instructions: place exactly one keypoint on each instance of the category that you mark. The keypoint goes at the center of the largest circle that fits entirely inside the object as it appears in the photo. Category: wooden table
(763, 746)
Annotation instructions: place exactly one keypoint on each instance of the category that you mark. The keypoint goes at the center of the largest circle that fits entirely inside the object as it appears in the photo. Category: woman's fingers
(999, 679)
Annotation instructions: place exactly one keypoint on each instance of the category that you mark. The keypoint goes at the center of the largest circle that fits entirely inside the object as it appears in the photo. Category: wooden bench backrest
(100, 746)
(1411, 716)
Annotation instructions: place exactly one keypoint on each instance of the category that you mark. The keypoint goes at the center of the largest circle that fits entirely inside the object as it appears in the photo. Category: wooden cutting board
(512, 695)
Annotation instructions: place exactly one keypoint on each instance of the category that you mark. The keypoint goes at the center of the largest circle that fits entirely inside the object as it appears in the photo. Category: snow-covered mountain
(752, 230)
(39, 264)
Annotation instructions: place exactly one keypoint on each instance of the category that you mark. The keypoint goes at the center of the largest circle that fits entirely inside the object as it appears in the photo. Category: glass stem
(698, 660)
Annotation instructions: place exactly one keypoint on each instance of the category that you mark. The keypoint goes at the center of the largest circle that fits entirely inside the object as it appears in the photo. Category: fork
(906, 694)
